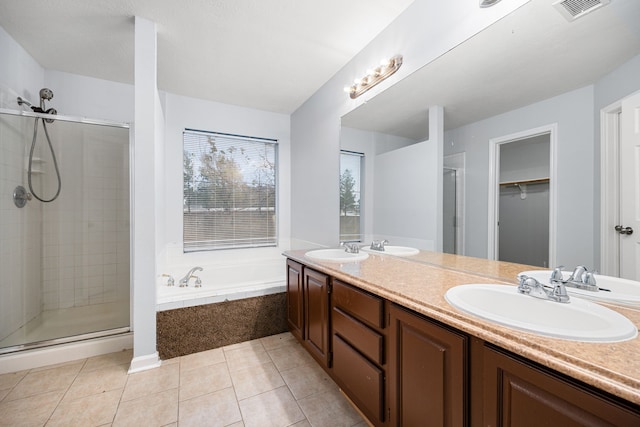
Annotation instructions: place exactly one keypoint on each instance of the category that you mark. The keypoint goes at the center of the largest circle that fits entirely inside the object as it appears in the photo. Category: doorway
(620, 189)
(453, 204)
(521, 202)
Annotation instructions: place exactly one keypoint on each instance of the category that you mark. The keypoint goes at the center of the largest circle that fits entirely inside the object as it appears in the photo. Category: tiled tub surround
(193, 329)
(421, 286)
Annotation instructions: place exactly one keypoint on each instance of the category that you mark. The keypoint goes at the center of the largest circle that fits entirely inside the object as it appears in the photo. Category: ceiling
(266, 54)
(530, 55)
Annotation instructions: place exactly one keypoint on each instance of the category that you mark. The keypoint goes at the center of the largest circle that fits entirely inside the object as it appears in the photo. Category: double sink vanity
(422, 338)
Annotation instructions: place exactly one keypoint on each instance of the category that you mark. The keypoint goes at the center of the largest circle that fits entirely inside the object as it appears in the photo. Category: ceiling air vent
(574, 9)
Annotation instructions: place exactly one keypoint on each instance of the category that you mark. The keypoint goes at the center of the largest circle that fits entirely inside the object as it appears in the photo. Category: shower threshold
(62, 326)
(65, 340)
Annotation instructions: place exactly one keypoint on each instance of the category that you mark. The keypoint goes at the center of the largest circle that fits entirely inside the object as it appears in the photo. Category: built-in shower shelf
(36, 165)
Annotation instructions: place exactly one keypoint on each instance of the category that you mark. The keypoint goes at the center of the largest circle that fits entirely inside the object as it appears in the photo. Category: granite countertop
(420, 282)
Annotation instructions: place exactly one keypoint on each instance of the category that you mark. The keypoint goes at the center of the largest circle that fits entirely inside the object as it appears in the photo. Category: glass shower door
(64, 265)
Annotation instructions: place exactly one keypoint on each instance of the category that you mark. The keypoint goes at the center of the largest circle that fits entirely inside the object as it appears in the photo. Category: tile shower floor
(271, 381)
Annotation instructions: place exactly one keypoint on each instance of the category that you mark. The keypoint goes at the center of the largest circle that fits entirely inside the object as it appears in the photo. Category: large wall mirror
(532, 73)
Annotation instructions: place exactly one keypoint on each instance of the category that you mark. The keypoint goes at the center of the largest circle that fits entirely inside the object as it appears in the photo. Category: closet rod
(526, 181)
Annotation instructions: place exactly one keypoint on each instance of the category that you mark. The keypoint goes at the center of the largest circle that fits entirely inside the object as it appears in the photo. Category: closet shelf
(525, 181)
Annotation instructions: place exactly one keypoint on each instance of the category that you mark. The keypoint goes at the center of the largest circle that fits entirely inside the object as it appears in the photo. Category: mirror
(532, 68)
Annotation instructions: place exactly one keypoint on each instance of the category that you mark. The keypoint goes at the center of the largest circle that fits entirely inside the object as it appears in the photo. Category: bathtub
(221, 283)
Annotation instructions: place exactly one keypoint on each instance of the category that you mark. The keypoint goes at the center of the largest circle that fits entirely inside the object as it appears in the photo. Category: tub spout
(185, 280)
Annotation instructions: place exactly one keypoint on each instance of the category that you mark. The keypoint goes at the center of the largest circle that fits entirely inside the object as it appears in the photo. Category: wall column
(145, 355)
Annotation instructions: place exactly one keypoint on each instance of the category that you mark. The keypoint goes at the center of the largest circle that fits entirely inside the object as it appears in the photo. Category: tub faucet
(185, 280)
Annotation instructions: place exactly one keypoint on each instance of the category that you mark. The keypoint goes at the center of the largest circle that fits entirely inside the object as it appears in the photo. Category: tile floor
(271, 381)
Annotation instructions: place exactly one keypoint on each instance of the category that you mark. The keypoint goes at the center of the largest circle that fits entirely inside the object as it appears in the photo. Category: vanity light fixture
(375, 76)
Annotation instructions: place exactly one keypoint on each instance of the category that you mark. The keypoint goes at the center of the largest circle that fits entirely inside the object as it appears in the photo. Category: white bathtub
(221, 283)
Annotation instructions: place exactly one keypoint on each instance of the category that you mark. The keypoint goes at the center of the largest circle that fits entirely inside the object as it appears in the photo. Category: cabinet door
(295, 313)
(516, 393)
(316, 314)
(427, 373)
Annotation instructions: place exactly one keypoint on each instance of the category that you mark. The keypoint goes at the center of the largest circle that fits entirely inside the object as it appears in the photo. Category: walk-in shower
(64, 254)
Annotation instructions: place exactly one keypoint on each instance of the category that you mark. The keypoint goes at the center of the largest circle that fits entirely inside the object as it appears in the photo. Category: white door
(629, 227)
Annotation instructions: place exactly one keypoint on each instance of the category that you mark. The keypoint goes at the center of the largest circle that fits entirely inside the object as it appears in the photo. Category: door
(316, 315)
(629, 227)
(295, 313)
(427, 376)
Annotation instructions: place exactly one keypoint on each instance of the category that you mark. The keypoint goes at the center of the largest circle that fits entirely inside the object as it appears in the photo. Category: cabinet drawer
(366, 340)
(368, 308)
(361, 379)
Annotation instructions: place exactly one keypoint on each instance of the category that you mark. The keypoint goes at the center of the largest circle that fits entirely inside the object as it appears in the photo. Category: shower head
(46, 93)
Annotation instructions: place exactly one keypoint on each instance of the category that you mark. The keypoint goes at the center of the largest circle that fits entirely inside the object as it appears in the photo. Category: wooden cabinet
(295, 303)
(316, 290)
(427, 372)
(515, 392)
(403, 369)
(357, 319)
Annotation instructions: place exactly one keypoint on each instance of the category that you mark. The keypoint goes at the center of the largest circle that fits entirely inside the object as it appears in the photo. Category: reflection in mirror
(532, 68)
(350, 195)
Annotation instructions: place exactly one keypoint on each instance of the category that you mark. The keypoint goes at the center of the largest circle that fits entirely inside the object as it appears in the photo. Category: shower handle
(21, 196)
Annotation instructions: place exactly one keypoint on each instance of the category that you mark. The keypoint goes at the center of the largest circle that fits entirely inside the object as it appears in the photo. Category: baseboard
(142, 363)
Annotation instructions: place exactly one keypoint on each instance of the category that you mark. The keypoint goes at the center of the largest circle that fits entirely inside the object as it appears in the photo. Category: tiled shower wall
(20, 233)
(86, 231)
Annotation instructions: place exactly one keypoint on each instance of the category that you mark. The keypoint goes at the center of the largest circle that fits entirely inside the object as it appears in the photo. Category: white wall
(81, 96)
(578, 116)
(616, 85)
(370, 144)
(426, 30)
(20, 74)
(184, 112)
(575, 199)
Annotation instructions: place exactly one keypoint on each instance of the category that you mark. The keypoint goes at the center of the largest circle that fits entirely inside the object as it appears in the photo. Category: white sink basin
(622, 291)
(578, 320)
(393, 250)
(336, 255)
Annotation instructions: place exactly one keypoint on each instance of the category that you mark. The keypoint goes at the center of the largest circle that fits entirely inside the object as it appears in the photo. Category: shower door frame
(97, 334)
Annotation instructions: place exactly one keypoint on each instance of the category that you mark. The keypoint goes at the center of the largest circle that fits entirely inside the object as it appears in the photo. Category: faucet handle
(589, 278)
(560, 292)
(578, 273)
(170, 281)
(557, 274)
(198, 281)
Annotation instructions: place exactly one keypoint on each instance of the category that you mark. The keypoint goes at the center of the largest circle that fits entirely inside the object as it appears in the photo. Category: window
(229, 198)
(350, 165)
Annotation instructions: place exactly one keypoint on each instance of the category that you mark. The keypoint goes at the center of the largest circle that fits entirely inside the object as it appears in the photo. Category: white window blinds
(229, 191)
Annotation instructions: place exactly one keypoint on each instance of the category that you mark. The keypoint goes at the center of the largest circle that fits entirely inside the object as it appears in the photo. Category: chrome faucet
(378, 245)
(185, 280)
(351, 247)
(581, 278)
(577, 275)
(530, 286)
